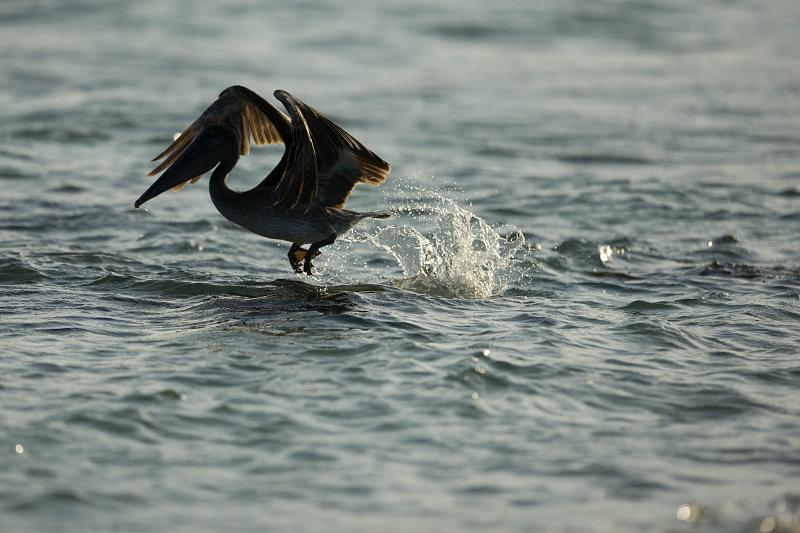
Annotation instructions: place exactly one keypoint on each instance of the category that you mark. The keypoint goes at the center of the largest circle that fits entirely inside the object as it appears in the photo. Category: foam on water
(442, 248)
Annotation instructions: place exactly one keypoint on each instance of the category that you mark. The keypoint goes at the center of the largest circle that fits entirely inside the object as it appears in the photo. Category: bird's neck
(218, 185)
(224, 198)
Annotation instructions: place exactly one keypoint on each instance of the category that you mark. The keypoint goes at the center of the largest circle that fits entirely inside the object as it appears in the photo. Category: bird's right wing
(324, 163)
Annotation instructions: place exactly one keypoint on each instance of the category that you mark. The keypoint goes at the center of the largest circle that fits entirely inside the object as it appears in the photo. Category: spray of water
(440, 247)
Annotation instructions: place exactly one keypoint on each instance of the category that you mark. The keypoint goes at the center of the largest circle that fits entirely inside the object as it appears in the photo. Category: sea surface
(584, 315)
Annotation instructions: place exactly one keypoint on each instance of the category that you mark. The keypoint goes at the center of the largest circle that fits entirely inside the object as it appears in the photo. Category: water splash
(444, 249)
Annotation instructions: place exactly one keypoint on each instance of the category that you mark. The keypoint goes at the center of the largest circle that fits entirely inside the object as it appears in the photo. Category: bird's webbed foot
(297, 255)
(313, 251)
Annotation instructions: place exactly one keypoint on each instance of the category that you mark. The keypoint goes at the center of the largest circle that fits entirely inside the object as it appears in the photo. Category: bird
(302, 199)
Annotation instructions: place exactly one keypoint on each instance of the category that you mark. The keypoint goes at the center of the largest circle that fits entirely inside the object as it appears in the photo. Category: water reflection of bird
(302, 199)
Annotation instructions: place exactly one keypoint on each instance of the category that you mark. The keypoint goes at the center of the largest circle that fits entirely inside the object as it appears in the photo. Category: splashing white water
(442, 248)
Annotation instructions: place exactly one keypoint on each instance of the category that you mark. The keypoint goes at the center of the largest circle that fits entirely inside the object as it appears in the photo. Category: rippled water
(582, 317)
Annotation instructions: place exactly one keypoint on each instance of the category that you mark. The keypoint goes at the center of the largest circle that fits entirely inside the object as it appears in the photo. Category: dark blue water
(582, 317)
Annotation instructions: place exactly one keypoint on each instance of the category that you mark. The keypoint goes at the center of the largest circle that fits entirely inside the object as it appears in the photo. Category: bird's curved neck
(221, 195)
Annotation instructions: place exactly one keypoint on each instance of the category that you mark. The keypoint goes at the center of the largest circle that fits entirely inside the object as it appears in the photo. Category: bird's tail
(375, 214)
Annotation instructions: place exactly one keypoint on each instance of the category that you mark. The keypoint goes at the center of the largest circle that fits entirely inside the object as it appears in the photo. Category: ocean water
(583, 315)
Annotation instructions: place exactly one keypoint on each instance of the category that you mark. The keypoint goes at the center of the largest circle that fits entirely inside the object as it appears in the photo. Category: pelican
(302, 200)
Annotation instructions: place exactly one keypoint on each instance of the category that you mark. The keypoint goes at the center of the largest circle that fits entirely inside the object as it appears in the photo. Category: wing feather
(239, 110)
(175, 149)
(340, 162)
(297, 185)
(322, 163)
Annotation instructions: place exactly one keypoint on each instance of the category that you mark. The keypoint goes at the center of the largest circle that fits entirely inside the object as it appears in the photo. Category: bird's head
(283, 96)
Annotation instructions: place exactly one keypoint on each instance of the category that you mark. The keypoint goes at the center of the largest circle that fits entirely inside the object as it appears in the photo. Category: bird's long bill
(203, 154)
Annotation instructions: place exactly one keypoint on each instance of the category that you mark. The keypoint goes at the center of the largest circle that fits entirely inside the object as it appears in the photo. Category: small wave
(63, 135)
(467, 31)
(643, 306)
(13, 173)
(738, 270)
(604, 159)
(48, 499)
(747, 271)
(590, 254)
(17, 270)
(242, 288)
(726, 247)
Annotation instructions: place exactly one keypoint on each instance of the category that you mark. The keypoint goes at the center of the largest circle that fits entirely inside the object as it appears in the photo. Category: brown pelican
(302, 199)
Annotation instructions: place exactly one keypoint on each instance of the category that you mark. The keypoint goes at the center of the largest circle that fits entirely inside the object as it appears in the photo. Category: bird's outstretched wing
(240, 111)
(323, 162)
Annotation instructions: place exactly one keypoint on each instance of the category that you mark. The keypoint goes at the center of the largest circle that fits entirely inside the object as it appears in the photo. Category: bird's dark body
(285, 224)
(302, 200)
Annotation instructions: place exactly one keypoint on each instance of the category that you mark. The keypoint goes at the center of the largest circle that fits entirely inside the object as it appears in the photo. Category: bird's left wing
(239, 109)
(241, 114)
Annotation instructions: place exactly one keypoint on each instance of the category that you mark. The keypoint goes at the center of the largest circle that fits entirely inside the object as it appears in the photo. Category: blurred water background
(582, 317)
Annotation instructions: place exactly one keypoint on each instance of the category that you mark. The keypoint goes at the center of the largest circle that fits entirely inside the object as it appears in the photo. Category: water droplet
(605, 252)
(767, 525)
(462, 256)
(786, 522)
(19, 449)
(688, 512)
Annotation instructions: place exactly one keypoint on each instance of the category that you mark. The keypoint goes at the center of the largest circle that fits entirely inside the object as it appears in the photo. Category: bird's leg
(313, 251)
(296, 255)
